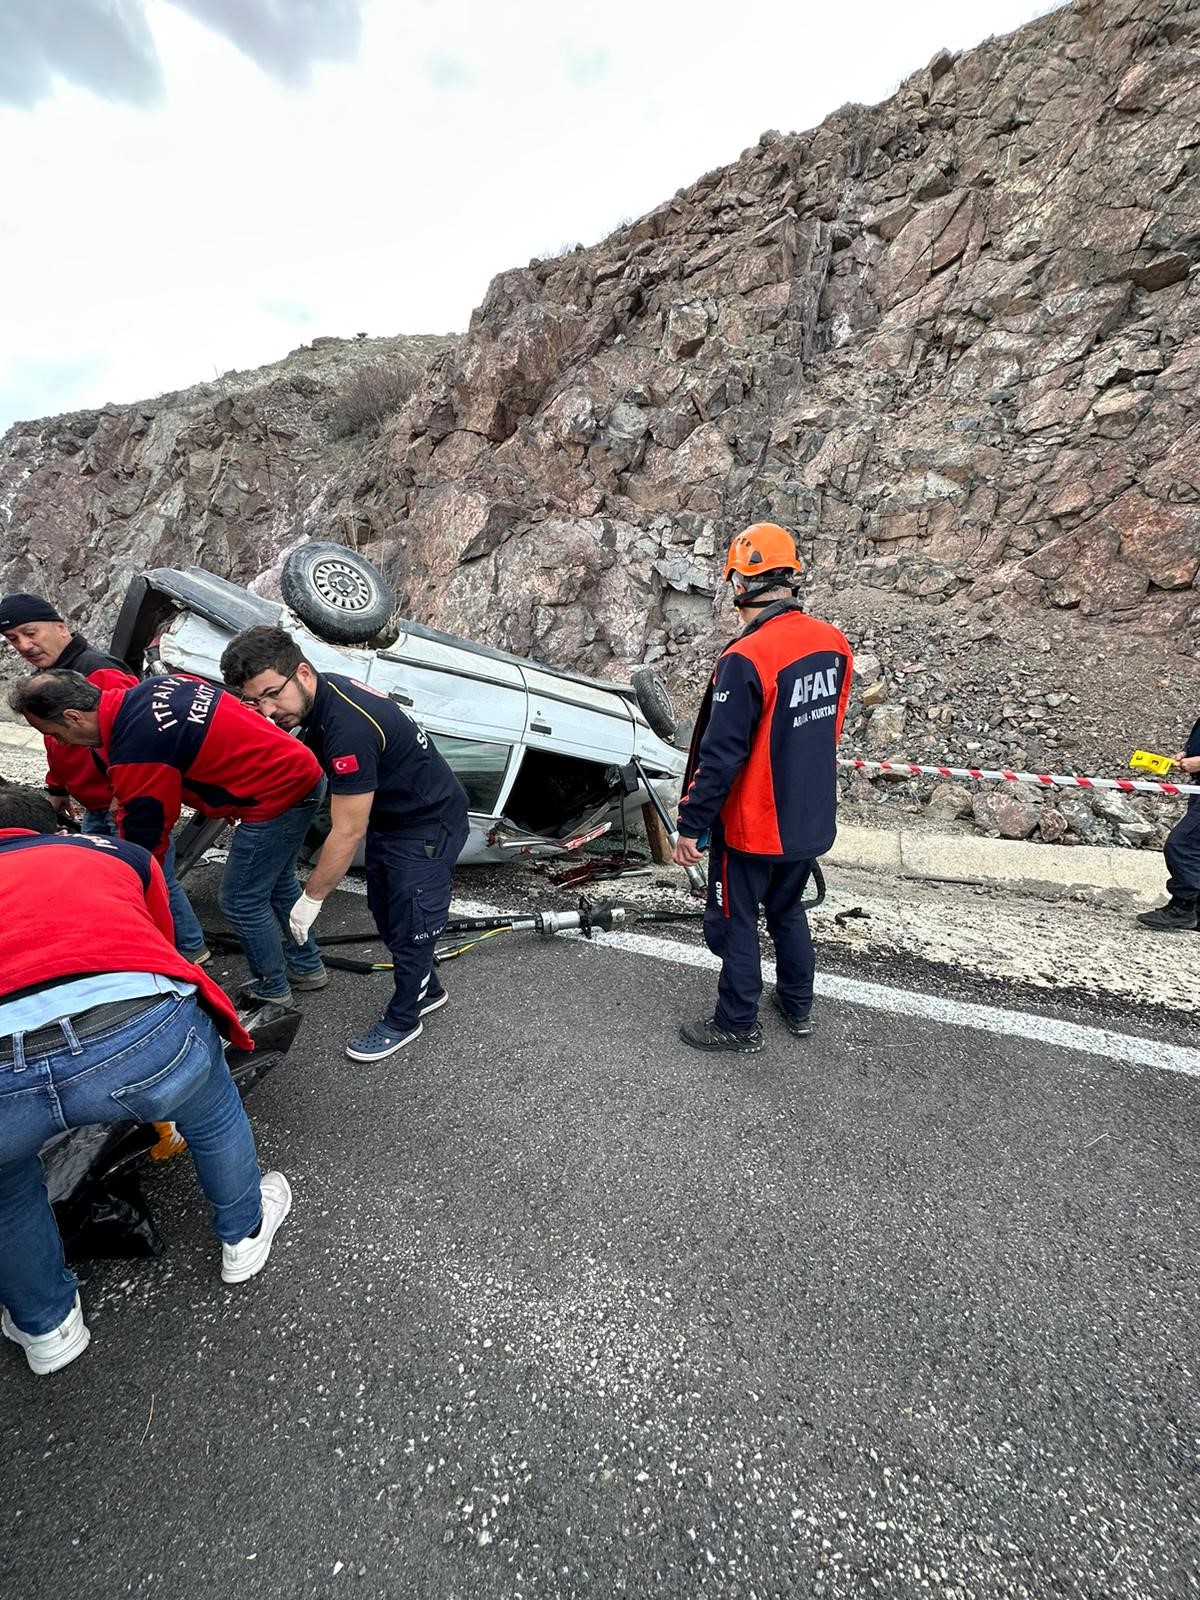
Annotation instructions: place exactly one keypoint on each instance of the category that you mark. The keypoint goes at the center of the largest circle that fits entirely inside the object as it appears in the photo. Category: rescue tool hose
(456, 937)
(603, 915)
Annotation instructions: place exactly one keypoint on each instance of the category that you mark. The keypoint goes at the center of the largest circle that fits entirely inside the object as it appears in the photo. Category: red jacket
(171, 742)
(115, 918)
(764, 754)
(73, 769)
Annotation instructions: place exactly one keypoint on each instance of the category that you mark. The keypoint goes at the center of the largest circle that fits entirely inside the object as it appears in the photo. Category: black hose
(482, 924)
(220, 939)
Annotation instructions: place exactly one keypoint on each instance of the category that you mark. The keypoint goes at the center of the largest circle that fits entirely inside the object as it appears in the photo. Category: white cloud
(144, 250)
(107, 45)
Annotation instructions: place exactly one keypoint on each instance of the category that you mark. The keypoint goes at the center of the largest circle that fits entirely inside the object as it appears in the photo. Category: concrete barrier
(964, 855)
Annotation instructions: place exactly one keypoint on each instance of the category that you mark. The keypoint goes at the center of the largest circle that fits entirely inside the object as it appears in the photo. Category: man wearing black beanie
(18, 609)
(39, 635)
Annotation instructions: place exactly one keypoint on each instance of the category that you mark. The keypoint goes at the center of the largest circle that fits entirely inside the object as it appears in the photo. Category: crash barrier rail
(1046, 780)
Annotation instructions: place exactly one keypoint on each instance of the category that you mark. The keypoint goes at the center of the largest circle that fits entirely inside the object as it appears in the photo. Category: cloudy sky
(197, 185)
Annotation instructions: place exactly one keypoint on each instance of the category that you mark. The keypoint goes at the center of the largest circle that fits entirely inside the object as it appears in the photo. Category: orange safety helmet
(763, 547)
(761, 559)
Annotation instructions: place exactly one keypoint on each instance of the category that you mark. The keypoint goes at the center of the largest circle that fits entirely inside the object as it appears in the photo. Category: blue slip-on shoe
(380, 1041)
(432, 1000)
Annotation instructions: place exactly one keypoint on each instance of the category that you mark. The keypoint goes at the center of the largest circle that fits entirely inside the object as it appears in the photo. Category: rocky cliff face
(225, 474)
(951, 340)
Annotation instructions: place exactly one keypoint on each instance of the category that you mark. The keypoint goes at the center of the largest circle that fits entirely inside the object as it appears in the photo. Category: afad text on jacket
(764, 753)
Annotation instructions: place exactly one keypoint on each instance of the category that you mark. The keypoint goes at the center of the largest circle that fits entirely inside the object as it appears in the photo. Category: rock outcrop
(225, 474)
(953, 340)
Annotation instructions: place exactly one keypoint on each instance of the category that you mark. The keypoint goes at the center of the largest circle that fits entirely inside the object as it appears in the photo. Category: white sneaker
(47, 1352)
(242, 1260)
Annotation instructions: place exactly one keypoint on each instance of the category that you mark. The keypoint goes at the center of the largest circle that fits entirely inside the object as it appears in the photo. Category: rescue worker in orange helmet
(761, 788)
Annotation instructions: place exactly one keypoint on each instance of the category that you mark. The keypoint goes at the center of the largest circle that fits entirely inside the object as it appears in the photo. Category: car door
(574, 718)
(473, 708)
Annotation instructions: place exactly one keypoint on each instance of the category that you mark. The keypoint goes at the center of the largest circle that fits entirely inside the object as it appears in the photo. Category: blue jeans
(258, 889)
(189, 935)
(164, 1065)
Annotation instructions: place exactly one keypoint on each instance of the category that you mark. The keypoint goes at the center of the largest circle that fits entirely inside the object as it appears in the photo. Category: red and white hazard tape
(1047, 780)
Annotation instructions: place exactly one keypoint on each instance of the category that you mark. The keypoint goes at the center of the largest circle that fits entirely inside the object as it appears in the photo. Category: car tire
(655, 702)
(339, 594)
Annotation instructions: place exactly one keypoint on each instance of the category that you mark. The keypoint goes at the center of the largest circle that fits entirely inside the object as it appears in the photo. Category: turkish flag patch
(344, 764)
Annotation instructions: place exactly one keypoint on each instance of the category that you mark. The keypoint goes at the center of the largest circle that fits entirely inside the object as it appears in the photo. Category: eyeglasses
(269, 696)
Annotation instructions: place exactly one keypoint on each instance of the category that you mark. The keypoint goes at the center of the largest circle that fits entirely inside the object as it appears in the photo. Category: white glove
(302, 916)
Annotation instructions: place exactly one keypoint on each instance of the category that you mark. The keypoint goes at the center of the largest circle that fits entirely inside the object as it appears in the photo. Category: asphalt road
(564, 1308)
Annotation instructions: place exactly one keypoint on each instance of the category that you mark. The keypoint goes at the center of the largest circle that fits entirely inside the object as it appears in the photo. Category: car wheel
(654, 701)
(338, 593)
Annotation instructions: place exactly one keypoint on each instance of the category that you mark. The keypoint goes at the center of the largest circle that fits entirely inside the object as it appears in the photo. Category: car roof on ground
(234, 607)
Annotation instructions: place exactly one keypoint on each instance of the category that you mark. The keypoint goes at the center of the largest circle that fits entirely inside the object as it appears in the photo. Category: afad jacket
(763, 760)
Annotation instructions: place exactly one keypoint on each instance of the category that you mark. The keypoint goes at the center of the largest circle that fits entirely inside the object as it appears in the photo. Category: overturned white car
(545, 755)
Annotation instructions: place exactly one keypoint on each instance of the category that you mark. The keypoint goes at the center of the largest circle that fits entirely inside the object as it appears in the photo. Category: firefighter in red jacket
(760, 788)
(102, 1020)
(175, 741)
(41, 638)
(39, 635)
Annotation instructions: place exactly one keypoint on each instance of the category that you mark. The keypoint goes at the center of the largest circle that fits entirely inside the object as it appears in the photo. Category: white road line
(994, 1020)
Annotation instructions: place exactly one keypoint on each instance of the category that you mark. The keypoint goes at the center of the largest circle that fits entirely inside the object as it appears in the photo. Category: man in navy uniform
(761, 786)
(387, 782)
(1182, 850)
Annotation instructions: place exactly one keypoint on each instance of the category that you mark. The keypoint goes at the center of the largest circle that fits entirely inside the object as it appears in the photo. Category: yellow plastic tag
(1149, 762)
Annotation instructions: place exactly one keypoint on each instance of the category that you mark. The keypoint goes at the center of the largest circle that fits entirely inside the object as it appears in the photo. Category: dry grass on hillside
(370, 395)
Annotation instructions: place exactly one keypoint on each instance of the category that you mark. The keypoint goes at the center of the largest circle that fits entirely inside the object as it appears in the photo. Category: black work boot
(1175, 917)
(702, 1033)
(801, 1027)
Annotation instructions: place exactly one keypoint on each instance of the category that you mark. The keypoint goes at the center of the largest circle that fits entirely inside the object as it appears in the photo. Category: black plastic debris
(92, 1179)
(842, 917)
(94, 1175)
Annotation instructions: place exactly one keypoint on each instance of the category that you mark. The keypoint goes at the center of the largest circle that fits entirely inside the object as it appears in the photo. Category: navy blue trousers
(737, 885)
(409, 882)
(1182, 851)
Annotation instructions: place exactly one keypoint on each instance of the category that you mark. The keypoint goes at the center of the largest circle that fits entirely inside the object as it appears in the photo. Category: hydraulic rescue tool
(695, 875)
